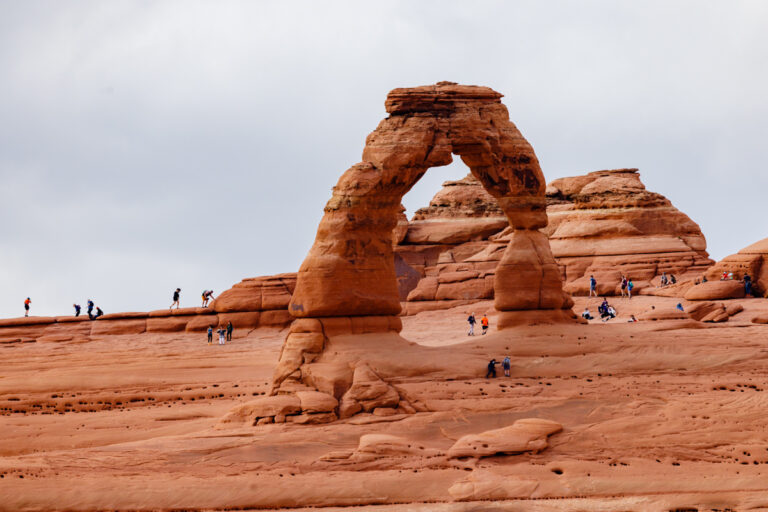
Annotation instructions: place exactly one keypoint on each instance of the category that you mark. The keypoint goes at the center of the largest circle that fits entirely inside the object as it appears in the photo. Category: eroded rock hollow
(347, 283)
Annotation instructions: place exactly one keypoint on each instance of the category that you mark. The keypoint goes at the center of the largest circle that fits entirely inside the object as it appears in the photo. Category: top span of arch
(441, 97)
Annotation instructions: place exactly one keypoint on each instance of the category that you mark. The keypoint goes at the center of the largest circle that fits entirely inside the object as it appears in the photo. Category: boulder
(711, 290)
(525, 435)
(315, 401)
(263, 407)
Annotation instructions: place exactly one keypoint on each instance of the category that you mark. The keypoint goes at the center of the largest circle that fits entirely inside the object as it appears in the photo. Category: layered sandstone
(749, 261)
(604, 224)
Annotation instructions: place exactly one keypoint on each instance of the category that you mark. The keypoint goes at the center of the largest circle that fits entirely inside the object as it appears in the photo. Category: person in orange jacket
(484, 323)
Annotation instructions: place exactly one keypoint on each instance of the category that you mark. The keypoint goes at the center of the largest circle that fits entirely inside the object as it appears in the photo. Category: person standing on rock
(491, 369)
(630, 285)
(77, 309)
(90, 309)
(176, 295)
(207, 295)
(230, 328)
(210, 334)
(747, 284)
(472, 322)
(623, 286)
(27, 303)
(222, 332)
(484, 323)
(506, 364)
(592, 286)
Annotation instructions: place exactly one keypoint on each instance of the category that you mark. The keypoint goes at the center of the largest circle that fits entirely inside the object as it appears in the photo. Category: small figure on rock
(77, 309)
(472, 322)
(672, 279)
(632, 318)
(222, 332)
(630, 286)
(724, 276)
(586, 314)
(680, 306)
(747, 284)
(730, 276)
(664, 280)
(90, 309)
(99, 313)
(484, 323)
(592, 286)
(230, 328)
(26, 306)
(704, 279)
(210, 334)
(176, 295)
(491, 369)
(506, 364)
(623, 285)
(207, 295)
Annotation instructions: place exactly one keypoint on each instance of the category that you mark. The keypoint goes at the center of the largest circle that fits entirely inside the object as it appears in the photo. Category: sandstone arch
(347, 283)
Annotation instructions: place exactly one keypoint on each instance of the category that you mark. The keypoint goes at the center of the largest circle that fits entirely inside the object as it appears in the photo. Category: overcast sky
(150, 145)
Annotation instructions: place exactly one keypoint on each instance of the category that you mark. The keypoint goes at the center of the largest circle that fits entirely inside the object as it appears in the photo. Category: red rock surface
(604, 224)
(750, 260)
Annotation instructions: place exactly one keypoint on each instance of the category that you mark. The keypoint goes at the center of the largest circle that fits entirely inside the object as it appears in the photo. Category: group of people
(207, 296)
(506, 364)
(605, 310)
(472, 321)
(225, 333)
(667, 280)
(626, 286)
(91, 314)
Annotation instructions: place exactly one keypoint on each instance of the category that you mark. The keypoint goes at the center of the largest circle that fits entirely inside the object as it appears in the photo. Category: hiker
(730, 276)
(680, 306)
(207, 295)
(704, 279)
(176, 295)
(632, 318)
(586, 314)
(484, 323)
(623, 285)
(222, 332)
(491, 368)
(26, 306)
(472, 322)
(747, 284)
(592, 286)
(664, 279)
(630, 285)
(77, 309)
(230, 328)
(99, 313)
(90, 309)
(210, 334)
(672, 279)
(724, 276)
(506, 364)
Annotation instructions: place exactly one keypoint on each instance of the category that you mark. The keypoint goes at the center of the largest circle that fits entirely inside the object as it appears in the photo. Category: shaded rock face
(604, 224)
(751, 260)
(349, 274)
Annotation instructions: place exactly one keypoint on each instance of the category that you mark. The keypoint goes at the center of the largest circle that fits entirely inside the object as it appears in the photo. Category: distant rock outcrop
(604, 224)
(750, 260)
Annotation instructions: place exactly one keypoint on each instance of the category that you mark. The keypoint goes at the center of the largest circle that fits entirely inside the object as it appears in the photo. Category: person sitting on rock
(730, 276)
(704, 279)
(592, 286)
(725, 275)
(586, 314)
(506, 364)
(484, 323)
(610, 313)
(632, 318)
(99, 313)
(471, 320)
(664, 280)
(491, 369)
(680, 306)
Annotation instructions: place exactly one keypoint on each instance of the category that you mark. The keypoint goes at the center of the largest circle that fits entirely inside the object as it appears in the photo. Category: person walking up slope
(77, 309)
(484, 323)
(472, 322)
(176, 295)
(26, 306)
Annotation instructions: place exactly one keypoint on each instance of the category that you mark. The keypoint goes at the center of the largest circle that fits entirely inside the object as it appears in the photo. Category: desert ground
(656, 415)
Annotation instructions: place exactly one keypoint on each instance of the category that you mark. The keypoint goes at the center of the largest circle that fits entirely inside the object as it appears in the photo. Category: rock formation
(604, 224)
(347, 283)
(750, 260)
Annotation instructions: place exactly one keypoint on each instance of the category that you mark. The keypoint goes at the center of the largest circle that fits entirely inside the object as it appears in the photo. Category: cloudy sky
(146, 145)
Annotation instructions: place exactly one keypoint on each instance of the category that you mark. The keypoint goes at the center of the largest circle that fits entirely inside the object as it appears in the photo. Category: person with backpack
(90, 309)
(207, 295)
(77, 309)
(623, 286)
(491, 369)
(630, 285)
(99, 313)
(592, 286)
(230, 328)
(27, 303)
(506, 364)
(176, 295)
(472, 322)
(210, 334)
(484, 323)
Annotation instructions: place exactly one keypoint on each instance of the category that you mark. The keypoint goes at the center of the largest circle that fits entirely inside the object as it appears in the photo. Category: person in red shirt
(26, 306)
(484, 323)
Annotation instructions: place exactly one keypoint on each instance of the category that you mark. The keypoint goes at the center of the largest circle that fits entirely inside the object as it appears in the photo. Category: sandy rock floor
(655, 417)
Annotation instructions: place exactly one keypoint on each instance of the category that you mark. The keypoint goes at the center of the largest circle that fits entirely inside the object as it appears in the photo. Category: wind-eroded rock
(526, 435)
